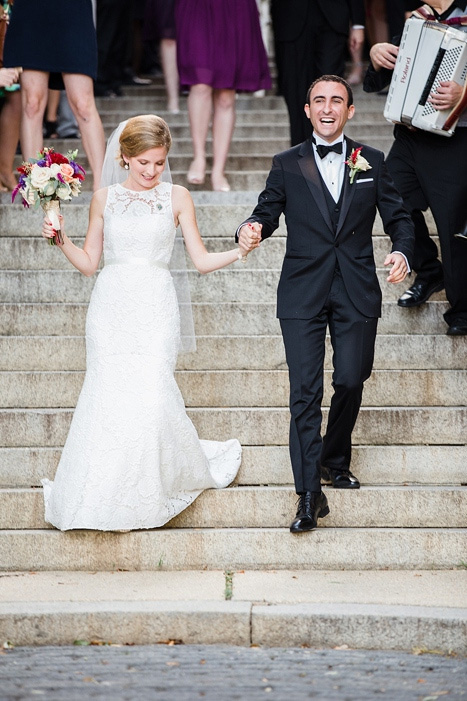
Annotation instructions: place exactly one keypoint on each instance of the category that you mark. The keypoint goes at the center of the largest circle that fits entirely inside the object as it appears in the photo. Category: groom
(328, 278)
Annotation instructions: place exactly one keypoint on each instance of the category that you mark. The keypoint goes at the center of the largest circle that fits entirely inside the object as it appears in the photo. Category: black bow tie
(324, 150)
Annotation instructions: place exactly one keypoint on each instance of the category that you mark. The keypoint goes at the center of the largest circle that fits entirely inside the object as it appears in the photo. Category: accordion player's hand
(383, 55)
(446, 96)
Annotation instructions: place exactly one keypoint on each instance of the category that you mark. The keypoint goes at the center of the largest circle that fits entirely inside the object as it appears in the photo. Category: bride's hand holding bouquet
(48, 180)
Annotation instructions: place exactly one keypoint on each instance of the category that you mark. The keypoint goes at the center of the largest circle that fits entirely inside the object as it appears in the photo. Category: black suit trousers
(431, 171)
(319, 49)
(353, 340)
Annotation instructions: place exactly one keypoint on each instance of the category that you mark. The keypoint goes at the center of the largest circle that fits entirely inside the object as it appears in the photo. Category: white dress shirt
(331, 166)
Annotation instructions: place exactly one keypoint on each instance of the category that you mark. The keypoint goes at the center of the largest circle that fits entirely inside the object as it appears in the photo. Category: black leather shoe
(311, 507)
(419, 293)
(340, 479)
(457, 328)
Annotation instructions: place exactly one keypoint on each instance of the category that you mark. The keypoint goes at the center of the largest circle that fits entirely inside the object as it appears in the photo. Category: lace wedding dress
(133, 458)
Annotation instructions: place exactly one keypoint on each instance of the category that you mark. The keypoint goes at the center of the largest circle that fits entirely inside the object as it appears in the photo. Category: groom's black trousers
(353, 341)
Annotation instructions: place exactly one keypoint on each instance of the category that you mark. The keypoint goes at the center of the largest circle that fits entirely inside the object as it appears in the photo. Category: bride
(133, 458)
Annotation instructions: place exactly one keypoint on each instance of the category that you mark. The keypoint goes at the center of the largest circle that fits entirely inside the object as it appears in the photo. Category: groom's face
(328, 110)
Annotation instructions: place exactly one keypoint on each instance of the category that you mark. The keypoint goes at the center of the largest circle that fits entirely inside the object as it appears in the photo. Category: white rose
(29, 195)
(362, 164)
(40, 176)
(49, 188)
(54, 169)
(63, 191)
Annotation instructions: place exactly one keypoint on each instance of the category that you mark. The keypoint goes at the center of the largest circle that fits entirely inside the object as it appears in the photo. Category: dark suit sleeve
(357, 12)
(397, 221)
(271, 201)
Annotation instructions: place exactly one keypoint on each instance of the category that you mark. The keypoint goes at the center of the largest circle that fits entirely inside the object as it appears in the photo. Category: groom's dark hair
(331, 79)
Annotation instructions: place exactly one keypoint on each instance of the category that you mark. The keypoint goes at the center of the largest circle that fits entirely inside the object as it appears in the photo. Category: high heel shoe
(196, 176)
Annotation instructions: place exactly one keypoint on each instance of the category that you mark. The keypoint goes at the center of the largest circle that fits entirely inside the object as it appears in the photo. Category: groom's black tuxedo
(328, 278)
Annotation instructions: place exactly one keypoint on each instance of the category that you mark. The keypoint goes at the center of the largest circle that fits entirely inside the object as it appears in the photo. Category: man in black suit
(328, 278)
(310, 39)
(431, 171)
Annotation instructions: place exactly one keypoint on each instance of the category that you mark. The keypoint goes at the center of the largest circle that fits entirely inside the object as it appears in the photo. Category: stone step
(223, 318)
(262, 465)
(233, 549)
(403, 352)
(245, 388)
(273, 507)
(394, 610)
(34, 253)
(258, 426)
(214, 221)
(236, 284)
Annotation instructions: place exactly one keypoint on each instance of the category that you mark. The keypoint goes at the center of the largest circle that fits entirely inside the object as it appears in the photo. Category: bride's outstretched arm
(184, 214)
(85, 259)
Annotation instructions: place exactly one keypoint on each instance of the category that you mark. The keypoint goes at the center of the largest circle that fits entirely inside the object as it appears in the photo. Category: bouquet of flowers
(48, 180)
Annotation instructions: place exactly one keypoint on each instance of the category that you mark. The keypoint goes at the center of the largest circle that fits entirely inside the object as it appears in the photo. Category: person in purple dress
(219, 51)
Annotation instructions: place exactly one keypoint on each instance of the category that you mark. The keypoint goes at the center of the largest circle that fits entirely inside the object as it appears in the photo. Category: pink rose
(67, 172)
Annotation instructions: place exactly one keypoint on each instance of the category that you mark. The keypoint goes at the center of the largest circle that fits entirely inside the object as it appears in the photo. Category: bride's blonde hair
(143, 133)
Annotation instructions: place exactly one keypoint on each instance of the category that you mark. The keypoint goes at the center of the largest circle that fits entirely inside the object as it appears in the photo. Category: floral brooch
(356, 163)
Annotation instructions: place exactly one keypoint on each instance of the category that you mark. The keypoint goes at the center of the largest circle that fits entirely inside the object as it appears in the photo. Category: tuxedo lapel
(307, 165)
(349, 190)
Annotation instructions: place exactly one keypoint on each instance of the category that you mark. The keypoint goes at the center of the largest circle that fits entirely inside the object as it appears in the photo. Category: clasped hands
(249, 237)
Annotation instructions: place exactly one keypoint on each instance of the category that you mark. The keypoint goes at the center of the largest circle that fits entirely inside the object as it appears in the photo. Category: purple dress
(219, 43)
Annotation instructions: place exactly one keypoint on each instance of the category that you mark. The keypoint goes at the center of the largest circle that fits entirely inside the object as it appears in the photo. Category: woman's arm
(184, 214)
(85, 259)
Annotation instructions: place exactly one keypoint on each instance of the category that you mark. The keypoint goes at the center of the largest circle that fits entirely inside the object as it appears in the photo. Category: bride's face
(146, 169)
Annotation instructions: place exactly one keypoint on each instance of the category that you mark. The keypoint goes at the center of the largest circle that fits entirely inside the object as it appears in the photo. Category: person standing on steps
(220, 51)
(310, 38)
(329, 189)
(132, 458)
(431, 171)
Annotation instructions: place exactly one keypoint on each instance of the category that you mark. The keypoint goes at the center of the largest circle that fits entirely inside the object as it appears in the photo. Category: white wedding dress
(133, 458)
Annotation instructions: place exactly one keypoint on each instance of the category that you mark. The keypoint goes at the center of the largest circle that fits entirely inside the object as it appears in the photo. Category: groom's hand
(399, 270)
(249, 236)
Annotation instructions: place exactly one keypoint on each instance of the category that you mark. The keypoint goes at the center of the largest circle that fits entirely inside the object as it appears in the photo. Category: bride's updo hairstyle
(143, 133)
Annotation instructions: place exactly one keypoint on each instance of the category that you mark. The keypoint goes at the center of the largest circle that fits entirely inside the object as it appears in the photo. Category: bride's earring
(126, 166)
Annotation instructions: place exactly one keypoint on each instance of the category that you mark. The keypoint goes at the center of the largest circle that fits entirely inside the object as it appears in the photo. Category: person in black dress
(55, 44)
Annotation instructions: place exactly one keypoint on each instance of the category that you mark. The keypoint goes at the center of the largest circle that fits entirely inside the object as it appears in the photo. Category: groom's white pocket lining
(365, 180)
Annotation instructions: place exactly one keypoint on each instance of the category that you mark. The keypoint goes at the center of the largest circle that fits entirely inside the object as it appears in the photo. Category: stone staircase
(410, 444)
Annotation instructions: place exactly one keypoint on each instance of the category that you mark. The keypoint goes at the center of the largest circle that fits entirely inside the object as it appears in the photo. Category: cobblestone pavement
(219, 673)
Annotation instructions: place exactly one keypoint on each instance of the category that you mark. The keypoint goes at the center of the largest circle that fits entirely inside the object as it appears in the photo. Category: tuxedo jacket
(289, 16)
(294, 187)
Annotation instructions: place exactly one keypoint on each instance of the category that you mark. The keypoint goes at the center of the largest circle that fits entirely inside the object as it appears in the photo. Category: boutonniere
(356, 163)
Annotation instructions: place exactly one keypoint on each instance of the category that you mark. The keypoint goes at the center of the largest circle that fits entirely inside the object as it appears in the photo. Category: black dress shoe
(419, 293)
(340, 479)
(311, 507)
(457, 328)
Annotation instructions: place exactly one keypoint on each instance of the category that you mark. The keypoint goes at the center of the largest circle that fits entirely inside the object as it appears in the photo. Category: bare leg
(79, 90)
(10, 118)
(34, 92)
(168, 48)
(356, 71)
(222, 129)
(199, 112)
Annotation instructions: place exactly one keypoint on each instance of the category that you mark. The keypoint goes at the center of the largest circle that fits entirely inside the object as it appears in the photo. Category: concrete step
(401, 352)
(245, 388)
(234, 549)
(214, 221)
(34, 254)
(234, 284)
(274, 507)
(403, 609)
(222, 318)
(258, 426)
(262, 465)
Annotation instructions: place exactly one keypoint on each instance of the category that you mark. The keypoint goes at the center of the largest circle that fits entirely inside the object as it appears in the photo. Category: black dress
(55, 36)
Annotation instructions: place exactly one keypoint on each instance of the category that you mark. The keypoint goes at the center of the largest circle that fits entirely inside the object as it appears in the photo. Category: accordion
(429, 53)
